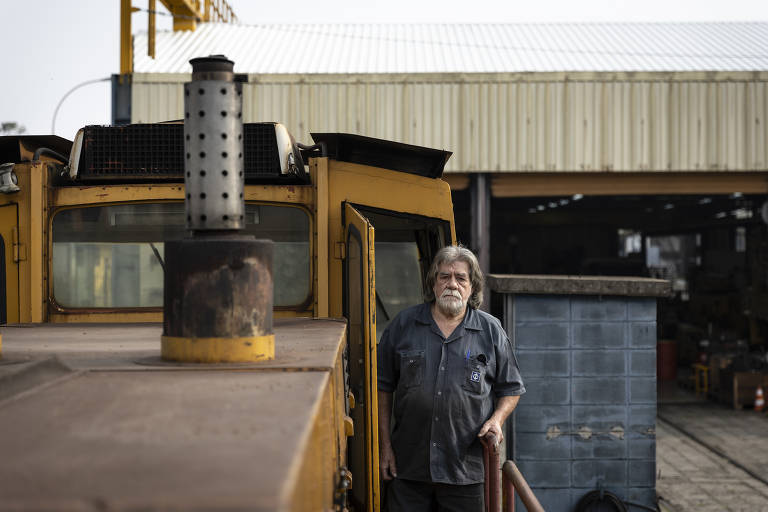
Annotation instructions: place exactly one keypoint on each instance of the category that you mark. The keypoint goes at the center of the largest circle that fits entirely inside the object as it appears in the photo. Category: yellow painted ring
(218, 350)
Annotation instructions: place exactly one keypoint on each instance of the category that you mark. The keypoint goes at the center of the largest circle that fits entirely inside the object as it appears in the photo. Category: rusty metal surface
(181, 440)
(492, 463)
(508, 495)
(27, 376)
(512, 474)
(159, 438)
(303, 344)
(579, 285)
(218, 287)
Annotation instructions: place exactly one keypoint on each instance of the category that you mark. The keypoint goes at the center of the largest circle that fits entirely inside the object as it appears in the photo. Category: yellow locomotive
(91, 417)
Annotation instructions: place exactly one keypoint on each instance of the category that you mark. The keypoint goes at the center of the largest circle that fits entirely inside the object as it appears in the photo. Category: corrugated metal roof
(463, 48)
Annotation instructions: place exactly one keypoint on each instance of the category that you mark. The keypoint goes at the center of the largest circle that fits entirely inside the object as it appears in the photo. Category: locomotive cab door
(10, 254)
(360, 310)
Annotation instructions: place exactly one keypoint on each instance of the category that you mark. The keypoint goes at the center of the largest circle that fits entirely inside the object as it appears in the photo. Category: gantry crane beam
(186, 15)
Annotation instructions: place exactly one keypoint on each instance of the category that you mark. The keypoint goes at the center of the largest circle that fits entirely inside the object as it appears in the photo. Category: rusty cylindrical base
(218, 300)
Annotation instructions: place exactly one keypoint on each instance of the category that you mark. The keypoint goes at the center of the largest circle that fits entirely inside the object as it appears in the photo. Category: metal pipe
(508, 495)
(49, 152)
(512, 474)
(81, 84)
(213, 133)
(486, 476)
(491, 458)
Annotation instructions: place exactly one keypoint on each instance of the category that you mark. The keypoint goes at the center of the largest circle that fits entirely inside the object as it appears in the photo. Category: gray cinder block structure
(587, 350)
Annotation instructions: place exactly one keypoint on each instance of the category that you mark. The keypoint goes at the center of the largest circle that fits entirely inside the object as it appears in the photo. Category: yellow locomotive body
(91, 417)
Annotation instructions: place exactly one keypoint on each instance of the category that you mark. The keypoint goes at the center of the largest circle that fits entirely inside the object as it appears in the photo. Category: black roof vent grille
(152, 152)
(262, 158)
(147, 151)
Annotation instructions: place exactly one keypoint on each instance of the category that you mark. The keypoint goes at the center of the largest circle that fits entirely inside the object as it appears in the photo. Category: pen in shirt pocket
(467, 355)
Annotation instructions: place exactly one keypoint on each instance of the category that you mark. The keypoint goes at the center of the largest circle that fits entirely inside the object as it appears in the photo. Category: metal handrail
(491, 459)
(512, 480)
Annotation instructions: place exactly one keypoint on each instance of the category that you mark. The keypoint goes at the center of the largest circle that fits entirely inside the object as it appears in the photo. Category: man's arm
(386, 454)
(504, 406)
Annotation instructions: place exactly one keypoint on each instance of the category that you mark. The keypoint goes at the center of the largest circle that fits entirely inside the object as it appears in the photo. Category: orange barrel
(666, 360)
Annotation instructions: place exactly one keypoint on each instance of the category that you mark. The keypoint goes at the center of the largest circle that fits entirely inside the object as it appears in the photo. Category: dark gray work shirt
(444, 391)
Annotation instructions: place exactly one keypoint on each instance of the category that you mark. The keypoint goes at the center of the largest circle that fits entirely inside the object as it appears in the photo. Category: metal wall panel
(517, 122)
(590, 368)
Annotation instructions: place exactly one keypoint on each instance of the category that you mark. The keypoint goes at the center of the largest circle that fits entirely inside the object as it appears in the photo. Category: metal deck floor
(99, 428)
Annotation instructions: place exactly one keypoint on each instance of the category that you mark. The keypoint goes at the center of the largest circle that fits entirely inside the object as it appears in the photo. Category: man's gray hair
(449, 254)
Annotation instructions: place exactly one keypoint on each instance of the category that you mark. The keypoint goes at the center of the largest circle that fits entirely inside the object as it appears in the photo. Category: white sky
(50, 46)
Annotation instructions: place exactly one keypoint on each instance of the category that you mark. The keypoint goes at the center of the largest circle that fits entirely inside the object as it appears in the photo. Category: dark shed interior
(713, 248)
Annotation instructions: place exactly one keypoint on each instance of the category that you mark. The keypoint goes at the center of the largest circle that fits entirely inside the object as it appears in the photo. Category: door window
(404, 246)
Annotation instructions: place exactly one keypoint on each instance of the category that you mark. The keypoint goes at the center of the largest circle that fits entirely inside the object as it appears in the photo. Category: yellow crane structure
(186, 15)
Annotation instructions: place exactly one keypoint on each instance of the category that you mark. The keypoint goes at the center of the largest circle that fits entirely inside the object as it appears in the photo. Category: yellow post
(126, 43)
(151, 29)
(319, 170)
(38, 212)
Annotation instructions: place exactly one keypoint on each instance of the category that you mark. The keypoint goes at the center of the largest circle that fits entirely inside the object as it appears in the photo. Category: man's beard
(451, 307)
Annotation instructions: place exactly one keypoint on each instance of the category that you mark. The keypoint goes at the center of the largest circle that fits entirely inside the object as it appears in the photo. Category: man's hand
(387, 462)
(386, 454)
(504, 406)
(492, 426)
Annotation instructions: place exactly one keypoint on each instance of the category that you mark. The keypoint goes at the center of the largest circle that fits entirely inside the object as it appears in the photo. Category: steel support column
(480, 226)
(121, 100)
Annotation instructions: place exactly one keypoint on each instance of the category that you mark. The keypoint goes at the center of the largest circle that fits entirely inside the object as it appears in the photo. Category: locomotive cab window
(110, 256)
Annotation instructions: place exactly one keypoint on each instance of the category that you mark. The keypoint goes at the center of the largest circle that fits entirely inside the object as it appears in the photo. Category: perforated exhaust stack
(218, 292)
(213, 143)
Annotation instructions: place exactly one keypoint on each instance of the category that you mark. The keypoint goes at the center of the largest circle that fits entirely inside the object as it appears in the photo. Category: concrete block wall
(588, 418)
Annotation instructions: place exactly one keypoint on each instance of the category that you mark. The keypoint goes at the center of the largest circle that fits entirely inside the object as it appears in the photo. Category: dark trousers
(412, 496)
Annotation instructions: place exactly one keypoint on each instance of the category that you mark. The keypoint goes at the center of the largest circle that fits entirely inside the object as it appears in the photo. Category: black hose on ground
(600, 501)
(605, 501)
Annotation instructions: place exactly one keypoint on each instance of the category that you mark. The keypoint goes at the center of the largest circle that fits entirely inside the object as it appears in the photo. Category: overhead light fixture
(721, 215)
(564, 202)
(736, 195)
(669, 206)
(541, 207)
(742, 213)
(532, 210)
(705, 200)
(552, 205)
(577, 197)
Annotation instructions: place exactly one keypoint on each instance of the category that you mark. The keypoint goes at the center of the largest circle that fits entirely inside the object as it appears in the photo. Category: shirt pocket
(412, 365)
(474, 376)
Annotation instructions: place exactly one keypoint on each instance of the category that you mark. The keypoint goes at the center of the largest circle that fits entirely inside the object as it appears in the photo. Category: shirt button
(439, 392)
(442, 367)
(435, 418)
(434, 444)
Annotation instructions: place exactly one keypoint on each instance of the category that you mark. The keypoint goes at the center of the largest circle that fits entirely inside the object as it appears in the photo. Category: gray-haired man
(454, 378)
